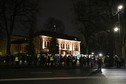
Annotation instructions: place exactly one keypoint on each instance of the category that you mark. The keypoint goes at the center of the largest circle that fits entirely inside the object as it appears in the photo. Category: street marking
(49, 78)
(64, 78)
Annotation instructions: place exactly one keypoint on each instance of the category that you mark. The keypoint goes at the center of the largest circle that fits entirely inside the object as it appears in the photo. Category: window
(63, 45)
(76, 48)
(45, 45)
(67, 46)
(48, 44)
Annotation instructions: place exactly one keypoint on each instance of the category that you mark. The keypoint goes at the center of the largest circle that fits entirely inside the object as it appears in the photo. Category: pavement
(60, 75)
(33, 71)
(13, 71)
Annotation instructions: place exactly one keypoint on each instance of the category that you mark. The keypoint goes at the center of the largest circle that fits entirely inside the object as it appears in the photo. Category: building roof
(56, 35)
(16, 39)
(19, 41)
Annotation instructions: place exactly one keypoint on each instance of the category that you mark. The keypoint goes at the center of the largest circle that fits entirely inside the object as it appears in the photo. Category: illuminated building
(67, 44)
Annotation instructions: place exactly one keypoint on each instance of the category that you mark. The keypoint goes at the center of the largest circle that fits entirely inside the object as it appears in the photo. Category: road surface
(62, 76)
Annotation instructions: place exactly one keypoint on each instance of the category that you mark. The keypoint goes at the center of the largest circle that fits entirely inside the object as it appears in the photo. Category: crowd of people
(58, 60)
(40, 59)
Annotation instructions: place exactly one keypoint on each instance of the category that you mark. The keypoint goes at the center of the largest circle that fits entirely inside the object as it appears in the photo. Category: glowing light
(100, 54)
(120, 7)
(116, 29)
(92, 53)
(54, 26)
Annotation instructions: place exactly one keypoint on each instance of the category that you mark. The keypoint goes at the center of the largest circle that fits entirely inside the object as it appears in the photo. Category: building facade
(66, 44)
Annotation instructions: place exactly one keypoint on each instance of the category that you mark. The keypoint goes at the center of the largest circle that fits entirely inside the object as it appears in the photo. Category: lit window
(76, 48)
(48, 44)
(63, 45)
(45, 45)
(68, 47)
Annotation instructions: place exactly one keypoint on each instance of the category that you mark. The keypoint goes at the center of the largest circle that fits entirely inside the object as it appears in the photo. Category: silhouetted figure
(84, 61)
(74, 61)
(7, 59)
(61, 60)
(81, 61)
(106, 61)
(99, 61)
(117, 61)
(88, 61)
(16, 59)
(51, 60)
(12, 59)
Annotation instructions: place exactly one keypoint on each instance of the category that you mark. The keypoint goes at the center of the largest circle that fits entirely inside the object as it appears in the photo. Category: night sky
(59, 9)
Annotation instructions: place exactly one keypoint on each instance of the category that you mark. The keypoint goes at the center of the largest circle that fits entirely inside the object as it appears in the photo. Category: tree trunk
(87, 49)
(8, 45)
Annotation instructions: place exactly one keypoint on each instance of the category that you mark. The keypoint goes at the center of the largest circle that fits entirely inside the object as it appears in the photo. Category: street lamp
(100, 54)
(116, 29)
(54, 27)
(92, 53)
(120, 7)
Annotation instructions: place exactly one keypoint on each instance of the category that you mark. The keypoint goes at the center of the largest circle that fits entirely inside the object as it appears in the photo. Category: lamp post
(54, 27)
(116, 29)
(119, 9)
(118, 26)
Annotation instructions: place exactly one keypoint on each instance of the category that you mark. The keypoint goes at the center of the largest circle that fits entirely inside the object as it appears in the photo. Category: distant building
(67, 44)
(17, 43)
(2, 47)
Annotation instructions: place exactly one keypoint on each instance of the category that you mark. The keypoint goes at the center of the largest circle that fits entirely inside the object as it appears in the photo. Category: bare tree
(52, 23)
(13, 11)
(95, 15)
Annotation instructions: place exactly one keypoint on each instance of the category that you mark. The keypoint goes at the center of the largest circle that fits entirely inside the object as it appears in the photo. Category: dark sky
(59, 9)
